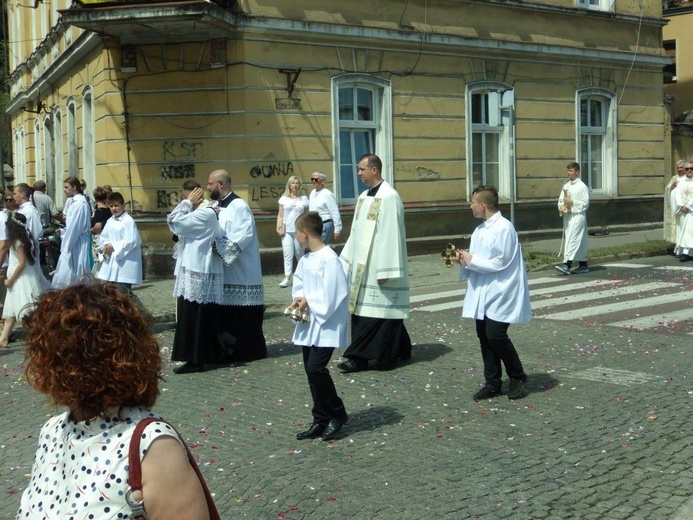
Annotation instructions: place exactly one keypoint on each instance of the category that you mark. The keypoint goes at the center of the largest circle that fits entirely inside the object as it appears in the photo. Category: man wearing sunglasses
(324, 202)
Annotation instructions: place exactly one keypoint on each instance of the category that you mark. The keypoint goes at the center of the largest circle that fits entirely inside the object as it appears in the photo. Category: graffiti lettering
(178, 149)
(272, 170)
(178, 171)
(166, 199)
(266, 192)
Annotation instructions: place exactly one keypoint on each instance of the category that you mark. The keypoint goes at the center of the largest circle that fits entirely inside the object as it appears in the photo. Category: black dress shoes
(313, 432)
(353, 365)
(189, 368)
(333, 428)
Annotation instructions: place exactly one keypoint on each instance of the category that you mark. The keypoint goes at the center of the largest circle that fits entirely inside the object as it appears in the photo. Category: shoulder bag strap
(135, 477)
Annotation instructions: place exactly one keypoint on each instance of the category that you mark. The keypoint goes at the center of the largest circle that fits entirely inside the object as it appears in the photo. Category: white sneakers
(286, 282)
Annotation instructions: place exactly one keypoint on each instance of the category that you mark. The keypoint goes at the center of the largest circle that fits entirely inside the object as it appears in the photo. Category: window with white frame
(38, 151)
(597, 5)
(72, 165)
(490, 157)
(362, 123)
(19, 156)
(49, 159)
(88, 163)
(596, 136)
(59, 171)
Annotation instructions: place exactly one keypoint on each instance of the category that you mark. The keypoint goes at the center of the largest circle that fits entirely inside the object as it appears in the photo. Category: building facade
(451, 94)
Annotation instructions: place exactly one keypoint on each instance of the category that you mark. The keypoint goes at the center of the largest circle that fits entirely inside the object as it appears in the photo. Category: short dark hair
(24, 188)
(373, 161)
(40, 186)
(487, 195)
(190, 185)
(116, 197)
(310, 222)
(573, 166)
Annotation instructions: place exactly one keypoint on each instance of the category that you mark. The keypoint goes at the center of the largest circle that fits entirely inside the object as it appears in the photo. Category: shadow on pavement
(373, 418)
(426, 352)
(537, 383)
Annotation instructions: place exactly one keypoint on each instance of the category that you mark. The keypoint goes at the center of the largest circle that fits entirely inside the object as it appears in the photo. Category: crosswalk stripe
(645, 322)
(599, 295)
(460, 292)
(572, 287)
(628, 266)
(614, 307)
(675, 268)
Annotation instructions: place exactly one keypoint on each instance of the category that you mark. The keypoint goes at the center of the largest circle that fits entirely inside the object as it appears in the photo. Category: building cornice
(72, 57)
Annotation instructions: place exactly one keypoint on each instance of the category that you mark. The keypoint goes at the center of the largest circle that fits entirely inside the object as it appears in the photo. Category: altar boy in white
(120, 246)
(497, 293)
(321, 290)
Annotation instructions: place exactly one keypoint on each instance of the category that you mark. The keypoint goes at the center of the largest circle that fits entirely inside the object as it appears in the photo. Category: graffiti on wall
(259, 193)
(272, 170)
(182, 149)
(178, 171)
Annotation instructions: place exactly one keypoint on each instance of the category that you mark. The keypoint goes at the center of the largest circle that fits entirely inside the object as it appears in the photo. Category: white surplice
(239, 248)
(200, 271)
(124, 265)
(497, 281)
(684, 197)
(321, 280)
(75, 242)
(376, 250)
(574, 244)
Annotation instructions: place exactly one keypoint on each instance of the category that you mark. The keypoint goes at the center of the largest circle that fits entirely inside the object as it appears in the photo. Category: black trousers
(326, 403)
(496, 347)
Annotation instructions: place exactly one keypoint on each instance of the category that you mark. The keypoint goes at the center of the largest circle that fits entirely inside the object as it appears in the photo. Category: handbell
(449, 255)
(296, 315)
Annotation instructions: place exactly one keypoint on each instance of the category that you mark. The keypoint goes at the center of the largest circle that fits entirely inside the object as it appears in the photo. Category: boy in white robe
(321, 290)
(572, 206)
(120, 246)
(497, 293)
(684, 210)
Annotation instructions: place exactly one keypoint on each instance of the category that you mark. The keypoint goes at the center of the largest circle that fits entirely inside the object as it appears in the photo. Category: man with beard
(244, 299)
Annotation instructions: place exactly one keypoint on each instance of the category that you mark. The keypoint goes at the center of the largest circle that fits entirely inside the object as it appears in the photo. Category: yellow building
(450, 93)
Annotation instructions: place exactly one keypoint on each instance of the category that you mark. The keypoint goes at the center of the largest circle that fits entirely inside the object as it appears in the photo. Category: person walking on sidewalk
(324, 202)
(572, 206)
(497, 293)
(291, 205)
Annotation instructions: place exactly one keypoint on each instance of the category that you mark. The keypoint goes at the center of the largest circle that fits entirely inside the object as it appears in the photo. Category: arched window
(361, 123)
(59, 173)
(49, 159)
(38, 151)
(88, 162)
(596, 139)
(72, 158)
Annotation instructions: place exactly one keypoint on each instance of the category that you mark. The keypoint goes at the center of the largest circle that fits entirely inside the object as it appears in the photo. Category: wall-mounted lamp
(291, 77)
(40, 107)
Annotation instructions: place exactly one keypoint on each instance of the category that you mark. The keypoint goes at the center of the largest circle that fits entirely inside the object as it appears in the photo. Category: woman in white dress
(291, 206)
(24, 285)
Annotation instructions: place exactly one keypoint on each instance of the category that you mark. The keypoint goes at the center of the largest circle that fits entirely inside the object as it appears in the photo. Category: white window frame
(72, 149)
(59, 171)
(52, 187)
(597, 5)
(502, 122)
(38, 150)
(381, 125)
(19, 156)
(88, 157)
(609, 131)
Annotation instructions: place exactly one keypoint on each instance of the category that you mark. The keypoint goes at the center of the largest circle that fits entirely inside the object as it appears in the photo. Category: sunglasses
(8, 199)
(315, 180)
(688, 169)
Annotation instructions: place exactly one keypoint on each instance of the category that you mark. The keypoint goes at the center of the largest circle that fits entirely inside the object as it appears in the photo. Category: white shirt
(579, 193)
(293, 208)
(497, 285)
(33, 221)
(321, 279)
(124, 265)
(325, 203)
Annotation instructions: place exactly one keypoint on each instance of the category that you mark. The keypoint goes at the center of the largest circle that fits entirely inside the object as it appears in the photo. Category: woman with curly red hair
(89, 348)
